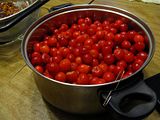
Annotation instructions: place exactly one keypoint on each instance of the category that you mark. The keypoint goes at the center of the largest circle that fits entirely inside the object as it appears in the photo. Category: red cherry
(52, 67)
(138, 38)
(72, 76)
(60, 77)
(88, 21)
(108, 76)
(87, 59)
(103, 66)
(74, 66)
(39, 68)
(118, 38)
(100, 34)
(142, 55)
(65, 65)
(126, 44)
(83, 68)
(123, 27)
(109, 59)
(36, 47)
(95, 62)
(94, 53)
(109, 36)
(139, 46)
(78, 60)
(52, 41)
(63, 27)
(119, 53)
(36, 60)
(131, 35)
(44, 49)
(106, 50)
(122, 63)
(83, 79)
(97, 71)
(129, 57)
(97, 80)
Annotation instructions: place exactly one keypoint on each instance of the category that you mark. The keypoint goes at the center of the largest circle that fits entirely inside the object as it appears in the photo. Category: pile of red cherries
(90, 51)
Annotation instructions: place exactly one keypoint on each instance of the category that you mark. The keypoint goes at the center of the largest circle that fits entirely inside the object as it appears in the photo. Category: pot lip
(15, 14)
(49, 16)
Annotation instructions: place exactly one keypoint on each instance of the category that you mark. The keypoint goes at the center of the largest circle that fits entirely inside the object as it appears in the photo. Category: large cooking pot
(15, 25)
(84, 99)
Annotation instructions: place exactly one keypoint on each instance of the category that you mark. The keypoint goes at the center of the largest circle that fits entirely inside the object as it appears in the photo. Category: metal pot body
(79, 98)
(75, 98)
(18, 29)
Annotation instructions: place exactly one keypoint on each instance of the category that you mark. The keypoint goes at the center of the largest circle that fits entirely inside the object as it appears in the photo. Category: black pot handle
(22, 15)
(132, 103)
(59, 6)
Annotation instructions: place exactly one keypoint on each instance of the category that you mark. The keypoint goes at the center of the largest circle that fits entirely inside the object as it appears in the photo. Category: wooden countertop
(19, 96)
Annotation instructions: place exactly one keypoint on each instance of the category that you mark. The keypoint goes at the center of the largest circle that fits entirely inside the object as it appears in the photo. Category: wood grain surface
(19, 96)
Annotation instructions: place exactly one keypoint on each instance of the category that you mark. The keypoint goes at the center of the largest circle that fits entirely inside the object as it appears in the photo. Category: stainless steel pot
(84, 99)
(15, 25)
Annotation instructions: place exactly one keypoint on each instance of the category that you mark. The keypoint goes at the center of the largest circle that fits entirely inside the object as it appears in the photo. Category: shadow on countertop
(57, 114)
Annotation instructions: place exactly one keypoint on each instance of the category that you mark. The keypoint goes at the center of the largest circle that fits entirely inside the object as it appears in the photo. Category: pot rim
(111, 9)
